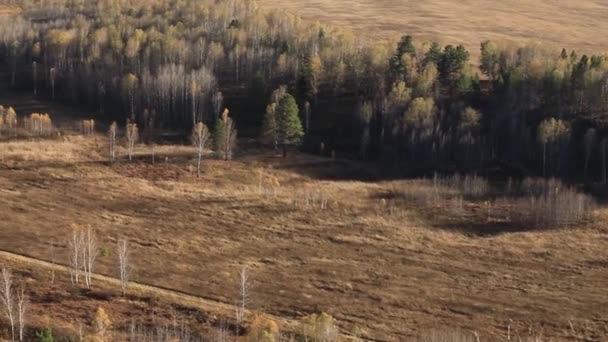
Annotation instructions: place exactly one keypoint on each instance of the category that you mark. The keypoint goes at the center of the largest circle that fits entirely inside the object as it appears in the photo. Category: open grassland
(9, 9)
(569, 24)
(385, 271)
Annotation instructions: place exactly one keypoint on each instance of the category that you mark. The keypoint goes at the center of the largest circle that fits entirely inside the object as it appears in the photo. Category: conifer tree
(289, 126)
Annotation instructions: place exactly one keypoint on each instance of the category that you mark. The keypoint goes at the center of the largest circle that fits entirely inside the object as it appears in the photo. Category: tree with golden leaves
(10, 118)
(87, 126)
(101, 323)
(550, 132)
(263, 329)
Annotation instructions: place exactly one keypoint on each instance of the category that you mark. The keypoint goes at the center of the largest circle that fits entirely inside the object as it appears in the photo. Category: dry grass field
(572, 24)
(9, 9)
(387, 271)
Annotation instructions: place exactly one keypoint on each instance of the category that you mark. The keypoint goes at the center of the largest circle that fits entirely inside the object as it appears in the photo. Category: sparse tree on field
(112, 140)
(225, 136)
(22, 305)
(76, 245)
(123, 265)
(7, 298)
(132, 137)
(244, 298)
(90, 252)
(200, 138)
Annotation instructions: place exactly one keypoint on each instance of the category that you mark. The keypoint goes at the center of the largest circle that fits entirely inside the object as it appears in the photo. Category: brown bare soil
(569, 24)
(384, 273)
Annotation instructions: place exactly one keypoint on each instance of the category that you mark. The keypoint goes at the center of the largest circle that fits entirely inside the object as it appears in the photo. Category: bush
(263, 329)
(550, 203)
(45, 335)
(320, 328)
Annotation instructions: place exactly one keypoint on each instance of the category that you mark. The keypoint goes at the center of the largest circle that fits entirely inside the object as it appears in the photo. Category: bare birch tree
(7, 297)
(112, 140)
(200, 138)
(123, 264)
(132, 136)
(75, 246)
(244, 296)
(22, 304)
(90, 252)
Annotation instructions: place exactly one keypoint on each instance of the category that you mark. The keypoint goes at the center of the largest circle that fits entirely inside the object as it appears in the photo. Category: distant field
(575, 24)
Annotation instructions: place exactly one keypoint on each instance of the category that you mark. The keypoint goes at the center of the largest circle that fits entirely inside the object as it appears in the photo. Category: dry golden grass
(67, 149)
(386, 273)
(9, 9)
(571, 24)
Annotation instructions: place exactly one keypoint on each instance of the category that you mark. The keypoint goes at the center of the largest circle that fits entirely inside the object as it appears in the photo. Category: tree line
(423, 107)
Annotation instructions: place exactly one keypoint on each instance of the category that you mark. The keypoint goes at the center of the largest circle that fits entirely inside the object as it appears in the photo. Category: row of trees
(224, 138)
(173, 63)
